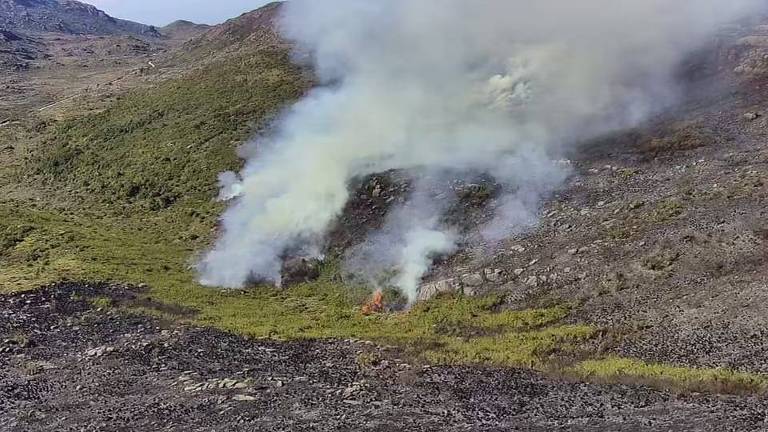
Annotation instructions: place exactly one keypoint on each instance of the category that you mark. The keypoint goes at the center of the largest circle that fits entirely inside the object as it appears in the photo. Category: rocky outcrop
(471, 284)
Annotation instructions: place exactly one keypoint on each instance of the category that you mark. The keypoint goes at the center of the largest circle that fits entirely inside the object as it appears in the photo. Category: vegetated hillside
(141, 172)
(167, 143)
(66, 16)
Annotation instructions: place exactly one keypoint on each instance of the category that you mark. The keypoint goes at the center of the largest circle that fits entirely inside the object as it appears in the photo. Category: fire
(376, 305)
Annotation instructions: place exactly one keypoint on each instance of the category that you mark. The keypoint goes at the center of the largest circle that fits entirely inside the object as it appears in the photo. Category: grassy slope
(125, 195)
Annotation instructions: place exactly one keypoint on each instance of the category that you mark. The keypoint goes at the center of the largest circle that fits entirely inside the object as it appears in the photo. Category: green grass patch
(153, 251)
(616, 369)
(448, 330)
(66, 246)
(102, 302)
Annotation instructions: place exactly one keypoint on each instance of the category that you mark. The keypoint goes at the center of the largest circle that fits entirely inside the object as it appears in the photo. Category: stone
(751, 116)
(98, 352)
(430, 290)
(532, 281)
(518, 249)
(519, 271)
(243, 398)
(472, 280)
(493, 275)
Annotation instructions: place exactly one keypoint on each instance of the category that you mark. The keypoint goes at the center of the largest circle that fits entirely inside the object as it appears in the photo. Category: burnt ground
(67, 365)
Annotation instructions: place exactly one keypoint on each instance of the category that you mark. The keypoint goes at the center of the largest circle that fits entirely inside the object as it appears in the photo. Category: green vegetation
(164, 144)
(102, 302)
(53, 246)
(666, 376)
(446, 330)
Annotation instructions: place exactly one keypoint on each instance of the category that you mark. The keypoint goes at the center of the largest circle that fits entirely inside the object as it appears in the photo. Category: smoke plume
(495, 86)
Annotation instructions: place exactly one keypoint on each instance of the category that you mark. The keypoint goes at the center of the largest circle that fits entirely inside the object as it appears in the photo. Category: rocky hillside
(66, 16)
(252, 31)
(17, 50)
(183, 30)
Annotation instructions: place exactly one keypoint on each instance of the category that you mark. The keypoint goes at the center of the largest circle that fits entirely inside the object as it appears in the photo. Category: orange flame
(376, 305)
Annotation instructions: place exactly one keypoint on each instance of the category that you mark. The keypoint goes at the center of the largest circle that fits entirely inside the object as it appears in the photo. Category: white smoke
(497, 86)
(401, 252)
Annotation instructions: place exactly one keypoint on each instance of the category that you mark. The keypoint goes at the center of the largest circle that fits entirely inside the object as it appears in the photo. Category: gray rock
(493, 275)
(99, 352)
(472, 280)
(430, 290)
(243, 398)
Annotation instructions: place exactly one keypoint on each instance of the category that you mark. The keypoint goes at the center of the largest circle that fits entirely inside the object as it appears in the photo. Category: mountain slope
(17, 50)
(66, 16)
(126, 194)
(183, 30)
(250, 32)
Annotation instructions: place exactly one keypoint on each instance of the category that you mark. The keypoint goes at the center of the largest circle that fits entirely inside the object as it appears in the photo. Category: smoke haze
(495, 86)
